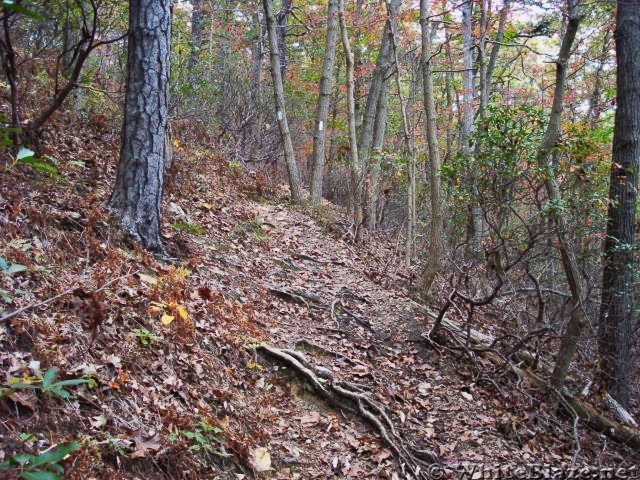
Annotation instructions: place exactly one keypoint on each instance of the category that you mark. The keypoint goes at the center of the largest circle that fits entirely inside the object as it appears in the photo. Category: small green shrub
(43, 466)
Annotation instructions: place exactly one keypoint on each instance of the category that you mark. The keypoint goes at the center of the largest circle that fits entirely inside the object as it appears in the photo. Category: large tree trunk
(137, 195)
(434, 255)
(617, 337)
(293, 171)
(548, 164)
(317, 158)
(354, 161)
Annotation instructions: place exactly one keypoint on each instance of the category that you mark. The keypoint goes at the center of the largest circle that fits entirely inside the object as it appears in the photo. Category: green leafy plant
(47, 385)
(144, 336)
(42, 164)
(191, 228)
(43, 466)
(11, 268)
(203, 439)
(252, 229)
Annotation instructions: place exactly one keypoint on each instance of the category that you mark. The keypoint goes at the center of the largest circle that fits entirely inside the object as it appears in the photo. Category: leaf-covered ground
(176, 388)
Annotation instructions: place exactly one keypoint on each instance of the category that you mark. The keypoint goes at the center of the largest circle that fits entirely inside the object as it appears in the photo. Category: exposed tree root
(575, 405)
(352, 398)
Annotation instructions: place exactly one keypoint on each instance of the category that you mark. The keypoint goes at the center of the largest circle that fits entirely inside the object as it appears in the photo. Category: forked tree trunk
(617, 323)
(374, 121)
(548, 164)
(295, 182)
(434, 252)
(354, 161)
(137, 195)
(326, 84)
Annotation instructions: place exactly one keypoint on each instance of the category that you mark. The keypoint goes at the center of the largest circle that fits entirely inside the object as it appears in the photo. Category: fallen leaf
(146, 443)
(148, 279)
(381, 455)
(182, 312)
(310, 420)
(467, 396)
(261, 459)
(26, 399)
(98, 421)
(167, 319)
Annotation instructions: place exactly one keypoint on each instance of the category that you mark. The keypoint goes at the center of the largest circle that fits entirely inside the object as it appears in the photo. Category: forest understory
(269, 346)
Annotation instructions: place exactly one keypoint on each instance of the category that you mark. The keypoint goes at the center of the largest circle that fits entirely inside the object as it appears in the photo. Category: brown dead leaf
(381, 455)
(311, 419)
(26, 399)
(145, 443)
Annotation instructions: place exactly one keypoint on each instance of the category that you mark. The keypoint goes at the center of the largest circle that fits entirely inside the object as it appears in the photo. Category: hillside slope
(178, 384)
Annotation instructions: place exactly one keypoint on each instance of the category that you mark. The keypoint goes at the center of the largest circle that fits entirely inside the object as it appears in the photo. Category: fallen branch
(574, 404)
(347, 397)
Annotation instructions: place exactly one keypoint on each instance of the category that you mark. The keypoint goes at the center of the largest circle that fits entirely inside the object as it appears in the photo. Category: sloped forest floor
(178, 386)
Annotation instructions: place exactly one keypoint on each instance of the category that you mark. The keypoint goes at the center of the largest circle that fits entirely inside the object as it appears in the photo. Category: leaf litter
(175, 389)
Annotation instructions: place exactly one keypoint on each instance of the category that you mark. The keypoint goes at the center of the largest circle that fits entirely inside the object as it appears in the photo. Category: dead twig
(69, 290)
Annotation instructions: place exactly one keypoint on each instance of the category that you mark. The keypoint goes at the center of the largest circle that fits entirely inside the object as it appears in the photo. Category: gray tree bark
(137, 195)
(326, 84)
(435, 249)
(195, 42)
(616, 337)
(282, 18)
(355, 168)
(475, 224)
(295, 182)
(374, 119)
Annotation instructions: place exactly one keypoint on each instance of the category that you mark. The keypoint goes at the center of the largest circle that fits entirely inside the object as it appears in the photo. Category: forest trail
(347, 309)
(173, 349)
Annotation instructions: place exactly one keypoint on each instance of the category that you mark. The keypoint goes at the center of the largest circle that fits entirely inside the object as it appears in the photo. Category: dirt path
(326, 304)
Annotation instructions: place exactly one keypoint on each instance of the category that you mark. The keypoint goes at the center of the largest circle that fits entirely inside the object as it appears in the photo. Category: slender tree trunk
(195, 42)
(375, 159)
(548, 163)
(595, 100)
(295, 182)
(137, 195)
(475, 224)
(9, 67)
(407, 130)
(354, 161)
(256, 86)
(616, 339)
(374, 117)
(318, 155)
(434, 255)
(282, 18)
(495, 49)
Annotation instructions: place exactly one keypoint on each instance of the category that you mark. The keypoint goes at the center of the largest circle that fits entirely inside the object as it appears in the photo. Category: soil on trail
(177, 387)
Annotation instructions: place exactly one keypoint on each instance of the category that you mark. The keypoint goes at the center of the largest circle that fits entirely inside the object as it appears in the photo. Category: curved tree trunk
(326, 84)
(295, 182)
(547, 163)
(616, 337)
(137, 195)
